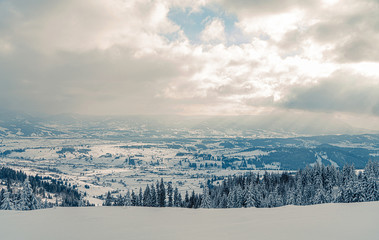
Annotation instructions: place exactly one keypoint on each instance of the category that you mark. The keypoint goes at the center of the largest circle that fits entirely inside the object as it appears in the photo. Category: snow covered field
(327, 221)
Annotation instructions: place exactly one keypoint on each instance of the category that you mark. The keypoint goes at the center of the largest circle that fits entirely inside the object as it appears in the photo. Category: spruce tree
(169, 194)
(27, 200)
(250, 200)
(134, 199)
(153, 198)
(140, 197)
(177, 201)
(206, 201)
(127, 199)
(108, 199)
(6, 203)
(186, 200)
(162, 194)
(147, 197)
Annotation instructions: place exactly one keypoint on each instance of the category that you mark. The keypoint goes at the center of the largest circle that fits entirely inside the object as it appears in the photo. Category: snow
(253, 153)
(323, 156)
(327, 221)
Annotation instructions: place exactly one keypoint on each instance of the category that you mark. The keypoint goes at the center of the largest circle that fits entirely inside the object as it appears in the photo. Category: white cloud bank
(114, 57)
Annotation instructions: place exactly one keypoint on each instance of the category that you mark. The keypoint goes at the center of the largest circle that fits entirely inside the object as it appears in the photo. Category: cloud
(78, 25)
(97, 57)
(214, 32)
(343, 31)
(341, 92)
(265, 7)
(129, 57)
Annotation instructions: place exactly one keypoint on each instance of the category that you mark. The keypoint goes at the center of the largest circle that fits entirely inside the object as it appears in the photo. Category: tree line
(311, 185)
(155, 195)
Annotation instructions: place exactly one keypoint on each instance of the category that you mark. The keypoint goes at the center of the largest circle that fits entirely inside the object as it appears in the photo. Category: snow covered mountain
(15, 124)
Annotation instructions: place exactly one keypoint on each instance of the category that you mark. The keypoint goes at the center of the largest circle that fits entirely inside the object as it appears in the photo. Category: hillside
(327, 221)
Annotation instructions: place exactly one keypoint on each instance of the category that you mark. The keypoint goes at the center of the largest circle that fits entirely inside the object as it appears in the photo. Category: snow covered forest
(23, 192)
(312, 185)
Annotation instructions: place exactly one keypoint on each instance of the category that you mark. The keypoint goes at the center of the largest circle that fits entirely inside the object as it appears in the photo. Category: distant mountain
(14, 124)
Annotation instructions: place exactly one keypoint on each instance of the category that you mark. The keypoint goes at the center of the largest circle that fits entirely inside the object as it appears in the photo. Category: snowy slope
(328, 221)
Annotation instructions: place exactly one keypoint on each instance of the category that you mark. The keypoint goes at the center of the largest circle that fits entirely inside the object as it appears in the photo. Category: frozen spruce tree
(206, 202)
(127, 201)
(81, 202)
(250, 199)
(177, 198)
(27, 199)
(169, 194)
(108, 199)
(147, 197)
(34, 202)
(6, 203)
(232, 198)
(161, 194)
(153, 195)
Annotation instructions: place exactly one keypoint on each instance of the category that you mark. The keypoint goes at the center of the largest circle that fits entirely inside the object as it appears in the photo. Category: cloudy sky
(206, 57)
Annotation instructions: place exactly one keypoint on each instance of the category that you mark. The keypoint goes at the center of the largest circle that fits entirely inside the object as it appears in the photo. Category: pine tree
(223, 202)
(186, 202)
(153, 198)
(371, 189)
(147, 197)
(27, 200)
(177, 201)
(140, 197)
(291, 197)
(232, 198)
(35, 203)
(240, 197)
(320, 196)
(206, 201)
(108, 199)
(127, 199)
(162, 194)
(299, 189)
(134, 199)
(119, 201)
(250, 200)
(6, 203)
(169, 194)
(158, 193)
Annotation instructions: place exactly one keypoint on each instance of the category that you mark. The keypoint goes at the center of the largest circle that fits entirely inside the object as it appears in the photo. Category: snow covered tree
(250, 201)
(147, 197)
(134, 199)
(206, 201)
(6, 203)
(119, 201)
(177, 198)
(140, 198)
(320, 196)
(240, 197)
(161, 194)
(27, 200)
(108, 199)
(169, 194)
(153, 196)
(127, 199)
(232, 198)
(223, 202)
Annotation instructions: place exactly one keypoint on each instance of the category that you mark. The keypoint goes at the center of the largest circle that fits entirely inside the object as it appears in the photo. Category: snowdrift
(327, 221)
